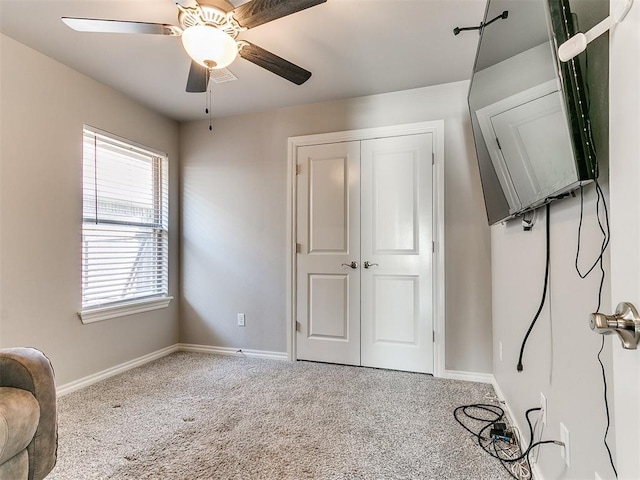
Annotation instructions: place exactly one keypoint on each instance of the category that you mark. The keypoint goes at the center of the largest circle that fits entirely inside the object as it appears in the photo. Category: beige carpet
(195, 416)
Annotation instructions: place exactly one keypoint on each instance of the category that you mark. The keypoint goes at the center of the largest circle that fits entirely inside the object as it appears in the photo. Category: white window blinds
(125, 217)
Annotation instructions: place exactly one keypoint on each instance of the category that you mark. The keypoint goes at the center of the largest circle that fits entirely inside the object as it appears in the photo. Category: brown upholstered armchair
(28, 420)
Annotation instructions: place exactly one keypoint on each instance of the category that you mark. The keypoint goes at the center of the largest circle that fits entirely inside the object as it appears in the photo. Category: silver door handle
(353, 265)
(369, 264)
(625, 322)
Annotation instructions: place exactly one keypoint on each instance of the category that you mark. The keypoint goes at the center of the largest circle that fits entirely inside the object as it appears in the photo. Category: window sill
(122, 309)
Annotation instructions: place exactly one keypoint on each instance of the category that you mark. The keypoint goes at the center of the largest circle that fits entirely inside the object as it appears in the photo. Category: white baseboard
(189, 347)
(238, 352)
(110, 372)
(468, 376)
(184, 347)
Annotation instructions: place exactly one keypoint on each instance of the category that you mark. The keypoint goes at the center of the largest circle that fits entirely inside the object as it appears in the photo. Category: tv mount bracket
(503, 15)
(529, 220)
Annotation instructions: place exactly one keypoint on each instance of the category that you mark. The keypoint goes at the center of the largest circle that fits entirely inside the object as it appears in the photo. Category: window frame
(119, 308)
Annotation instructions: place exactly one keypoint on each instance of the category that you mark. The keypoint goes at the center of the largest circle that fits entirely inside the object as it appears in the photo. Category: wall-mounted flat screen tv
(528, 110)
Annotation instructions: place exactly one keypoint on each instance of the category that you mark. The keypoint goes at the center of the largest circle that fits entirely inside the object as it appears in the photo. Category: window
(124, 228)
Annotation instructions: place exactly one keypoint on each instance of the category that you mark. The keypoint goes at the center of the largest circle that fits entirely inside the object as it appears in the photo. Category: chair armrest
(29, 369)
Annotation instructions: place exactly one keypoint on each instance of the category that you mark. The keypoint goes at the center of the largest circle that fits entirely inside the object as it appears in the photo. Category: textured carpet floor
(196, 416)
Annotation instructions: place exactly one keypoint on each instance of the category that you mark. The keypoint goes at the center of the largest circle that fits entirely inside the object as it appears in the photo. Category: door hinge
(433, 247)
(433, 337)
(298, 248)
(498, 142)
(297, 326)
(433, 158)
(298, 169)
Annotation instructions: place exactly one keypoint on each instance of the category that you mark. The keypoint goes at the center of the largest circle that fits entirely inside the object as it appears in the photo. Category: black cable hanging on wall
(606, 236)
(544, 293)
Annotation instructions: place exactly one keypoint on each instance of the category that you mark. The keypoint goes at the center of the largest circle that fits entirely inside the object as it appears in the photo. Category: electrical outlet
(543, 411)
(241, 319)
(566, 449)
(500, 350)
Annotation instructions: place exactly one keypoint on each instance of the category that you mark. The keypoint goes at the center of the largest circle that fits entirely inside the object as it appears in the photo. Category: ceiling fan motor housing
(211, 16)
(208, 35)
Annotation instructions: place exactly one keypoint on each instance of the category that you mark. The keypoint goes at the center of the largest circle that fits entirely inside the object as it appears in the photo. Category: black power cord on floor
(492, 414)
(544, 293)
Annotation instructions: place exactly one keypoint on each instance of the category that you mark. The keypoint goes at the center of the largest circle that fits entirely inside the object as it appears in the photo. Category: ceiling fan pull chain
(210, 95)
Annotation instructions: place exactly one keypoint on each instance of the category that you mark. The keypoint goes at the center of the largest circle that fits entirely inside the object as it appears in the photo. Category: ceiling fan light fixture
(209, 46)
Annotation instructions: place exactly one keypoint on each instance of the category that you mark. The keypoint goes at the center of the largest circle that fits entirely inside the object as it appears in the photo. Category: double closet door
(364, 253)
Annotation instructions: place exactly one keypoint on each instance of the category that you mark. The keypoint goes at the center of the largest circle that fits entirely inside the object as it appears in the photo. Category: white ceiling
(526, 27)
(352, 47)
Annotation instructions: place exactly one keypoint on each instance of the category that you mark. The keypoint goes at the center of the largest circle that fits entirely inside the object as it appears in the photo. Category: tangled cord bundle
(482, 417)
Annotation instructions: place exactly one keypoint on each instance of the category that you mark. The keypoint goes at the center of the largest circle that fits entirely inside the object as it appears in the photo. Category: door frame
(436, 128)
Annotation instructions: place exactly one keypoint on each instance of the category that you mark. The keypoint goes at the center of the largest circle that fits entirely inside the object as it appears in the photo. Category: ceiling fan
(209, 30)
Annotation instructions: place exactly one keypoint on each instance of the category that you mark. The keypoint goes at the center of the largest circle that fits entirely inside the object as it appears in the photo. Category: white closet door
(328, 236)
(397, 233)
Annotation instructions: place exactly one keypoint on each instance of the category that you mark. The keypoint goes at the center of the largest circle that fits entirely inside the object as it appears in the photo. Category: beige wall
(44, 106)
(560, 358)
(234, 220)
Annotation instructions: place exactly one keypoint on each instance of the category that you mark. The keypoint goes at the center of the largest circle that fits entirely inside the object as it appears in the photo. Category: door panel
(395, 202)
(328, 313)
(624, 176)
(328, 202)
(328, 234)
(397, 232)
(395, 309)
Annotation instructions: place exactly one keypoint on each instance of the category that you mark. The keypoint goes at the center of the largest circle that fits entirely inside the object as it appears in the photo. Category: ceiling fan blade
(273, 63)
(257, 12)
(119, 26)
(198, 78)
